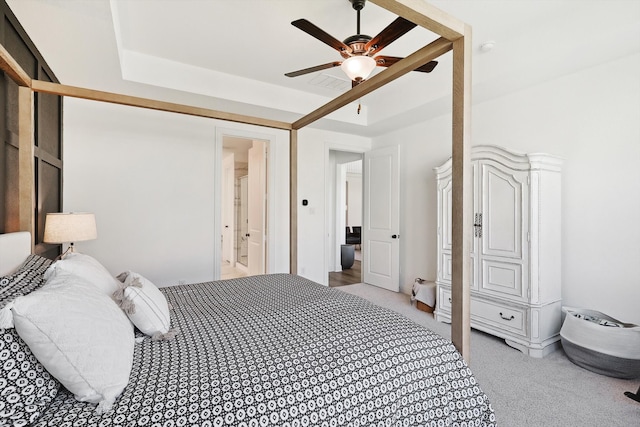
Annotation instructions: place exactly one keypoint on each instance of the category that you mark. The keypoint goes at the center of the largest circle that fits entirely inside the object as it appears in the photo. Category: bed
(275, 350)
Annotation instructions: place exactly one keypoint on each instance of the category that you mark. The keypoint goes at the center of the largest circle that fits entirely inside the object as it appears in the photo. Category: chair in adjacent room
(353, 237)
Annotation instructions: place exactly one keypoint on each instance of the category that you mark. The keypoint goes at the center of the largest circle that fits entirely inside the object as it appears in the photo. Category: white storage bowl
(601, 343)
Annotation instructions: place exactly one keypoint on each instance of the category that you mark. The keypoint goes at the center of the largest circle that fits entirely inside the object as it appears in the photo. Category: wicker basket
(601, 343)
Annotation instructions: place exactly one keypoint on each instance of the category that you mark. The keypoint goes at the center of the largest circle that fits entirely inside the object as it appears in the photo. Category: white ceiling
(232, 54)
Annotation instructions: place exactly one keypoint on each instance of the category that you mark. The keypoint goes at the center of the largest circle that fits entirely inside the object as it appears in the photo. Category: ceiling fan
(358, 50)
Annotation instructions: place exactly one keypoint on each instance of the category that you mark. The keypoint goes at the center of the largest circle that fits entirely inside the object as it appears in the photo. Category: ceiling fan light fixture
(358, 67)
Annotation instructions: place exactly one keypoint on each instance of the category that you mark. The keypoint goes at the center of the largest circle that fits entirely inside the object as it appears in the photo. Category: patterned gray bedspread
(282, 350)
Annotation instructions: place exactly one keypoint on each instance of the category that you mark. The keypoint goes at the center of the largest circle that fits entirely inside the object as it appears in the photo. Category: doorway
(346, 217)
(380, 232)
(244, 206)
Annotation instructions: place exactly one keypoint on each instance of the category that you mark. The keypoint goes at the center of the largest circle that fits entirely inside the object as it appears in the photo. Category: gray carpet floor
(525, 391)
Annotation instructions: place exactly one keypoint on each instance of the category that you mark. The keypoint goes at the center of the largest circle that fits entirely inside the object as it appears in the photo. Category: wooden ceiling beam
(152, 104)
(430, 17)
(400, 68)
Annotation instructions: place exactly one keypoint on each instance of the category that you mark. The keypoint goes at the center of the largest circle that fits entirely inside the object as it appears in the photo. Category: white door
(381, 252)
(228, 205)
(256, 207)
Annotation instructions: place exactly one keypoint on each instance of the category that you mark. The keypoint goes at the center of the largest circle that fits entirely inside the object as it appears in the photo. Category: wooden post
(293, 202)
(462, 197)
(26, 163)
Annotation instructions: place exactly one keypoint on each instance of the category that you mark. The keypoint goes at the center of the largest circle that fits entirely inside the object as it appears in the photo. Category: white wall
(150, 178)
(591, 119)
(314, 177)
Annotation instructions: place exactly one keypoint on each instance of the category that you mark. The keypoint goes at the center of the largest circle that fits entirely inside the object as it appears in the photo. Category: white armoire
(516, 250)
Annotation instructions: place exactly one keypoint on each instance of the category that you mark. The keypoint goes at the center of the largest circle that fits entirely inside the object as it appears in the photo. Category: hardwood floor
(346, 277)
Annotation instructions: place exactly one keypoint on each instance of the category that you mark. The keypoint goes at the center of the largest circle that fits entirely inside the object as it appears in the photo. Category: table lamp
(69, 228)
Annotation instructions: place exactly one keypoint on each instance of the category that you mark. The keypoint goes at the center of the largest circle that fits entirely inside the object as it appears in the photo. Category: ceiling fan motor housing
(357, 44)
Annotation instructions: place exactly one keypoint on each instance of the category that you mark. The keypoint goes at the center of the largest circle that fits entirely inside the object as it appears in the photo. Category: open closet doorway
(346, 207)
(243, 216)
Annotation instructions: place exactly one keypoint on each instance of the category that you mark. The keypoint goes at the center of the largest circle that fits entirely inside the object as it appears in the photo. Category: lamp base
(69, 249)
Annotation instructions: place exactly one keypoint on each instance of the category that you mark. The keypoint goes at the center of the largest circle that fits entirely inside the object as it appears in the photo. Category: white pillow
(86, 267)
(145, 305)
(80, 336)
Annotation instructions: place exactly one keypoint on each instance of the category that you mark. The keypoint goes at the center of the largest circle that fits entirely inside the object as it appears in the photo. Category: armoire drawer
(510, 318)
(489, 313)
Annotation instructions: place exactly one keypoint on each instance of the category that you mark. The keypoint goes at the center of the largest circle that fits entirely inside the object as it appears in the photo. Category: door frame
(272, 145)
(329, 230)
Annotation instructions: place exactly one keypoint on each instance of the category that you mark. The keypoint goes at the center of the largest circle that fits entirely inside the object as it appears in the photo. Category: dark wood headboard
(47, 137)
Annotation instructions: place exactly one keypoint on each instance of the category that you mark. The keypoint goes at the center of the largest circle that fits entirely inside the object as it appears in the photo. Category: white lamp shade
(69, 227)
(358, 67)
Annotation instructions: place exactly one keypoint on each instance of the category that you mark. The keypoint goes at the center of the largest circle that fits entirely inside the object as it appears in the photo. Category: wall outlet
(181, 282)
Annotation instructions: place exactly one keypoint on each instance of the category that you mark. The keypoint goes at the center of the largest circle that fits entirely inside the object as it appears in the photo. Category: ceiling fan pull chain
(359, 106)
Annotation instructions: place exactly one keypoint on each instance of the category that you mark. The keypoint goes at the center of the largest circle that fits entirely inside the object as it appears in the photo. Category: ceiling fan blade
(387, 61)
(390, 34)
(312, 69)
(321, 35)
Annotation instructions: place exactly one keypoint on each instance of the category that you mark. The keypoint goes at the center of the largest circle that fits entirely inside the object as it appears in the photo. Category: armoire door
(445, 213)
(502, 221)
(444, 230)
